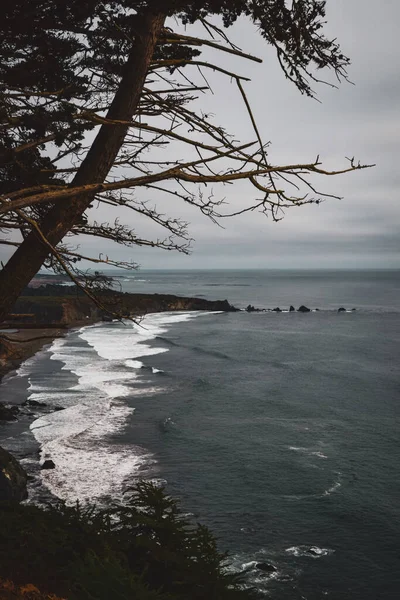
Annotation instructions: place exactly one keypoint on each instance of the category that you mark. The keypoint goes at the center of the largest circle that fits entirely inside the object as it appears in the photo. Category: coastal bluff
(46, 312)
(61, 305)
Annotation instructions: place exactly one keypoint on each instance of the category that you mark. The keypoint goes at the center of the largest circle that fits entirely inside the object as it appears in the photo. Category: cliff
(55, 305)
(44, 313)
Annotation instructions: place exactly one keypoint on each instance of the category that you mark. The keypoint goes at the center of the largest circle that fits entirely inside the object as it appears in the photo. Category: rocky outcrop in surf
(303, 309)
(8, 413)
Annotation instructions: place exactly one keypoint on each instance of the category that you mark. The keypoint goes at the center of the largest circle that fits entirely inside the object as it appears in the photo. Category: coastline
(100, 415)
(65, 313)
(29, 341)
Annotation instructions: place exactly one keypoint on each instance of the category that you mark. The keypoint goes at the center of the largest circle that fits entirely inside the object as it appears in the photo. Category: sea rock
(303, 309)
(12, 479)
(277, 309)
(8, 413)
(291, 309)
(48, 464)
(266, 567)
(250, 308)
(35, 403)
(341, 309)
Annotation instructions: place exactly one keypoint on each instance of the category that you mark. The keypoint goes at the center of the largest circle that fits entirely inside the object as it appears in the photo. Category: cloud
(360, 120)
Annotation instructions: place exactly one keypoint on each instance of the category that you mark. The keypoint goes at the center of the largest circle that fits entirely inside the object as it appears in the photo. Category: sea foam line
(89, 465)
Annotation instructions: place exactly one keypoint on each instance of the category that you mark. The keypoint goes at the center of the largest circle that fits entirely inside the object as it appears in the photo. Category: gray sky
(361, 120)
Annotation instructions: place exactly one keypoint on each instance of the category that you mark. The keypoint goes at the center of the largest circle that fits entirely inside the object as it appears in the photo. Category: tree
(145, 549)
(118, 69)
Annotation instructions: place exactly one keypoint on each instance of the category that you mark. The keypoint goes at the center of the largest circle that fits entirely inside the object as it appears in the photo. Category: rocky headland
(46, 312)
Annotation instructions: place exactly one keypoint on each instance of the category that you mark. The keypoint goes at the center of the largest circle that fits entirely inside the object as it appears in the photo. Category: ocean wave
(335, 486)
(103, 358)
(227, 285)
(134, 364)
(307, 451)
(211, 352)
(256, 573)
(128, 341)
(88, 466)
(167, 341)
(309, 551)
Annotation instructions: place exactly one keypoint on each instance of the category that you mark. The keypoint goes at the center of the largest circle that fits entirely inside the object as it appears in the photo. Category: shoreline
(27, 410)
(30, 341)
(20, 343)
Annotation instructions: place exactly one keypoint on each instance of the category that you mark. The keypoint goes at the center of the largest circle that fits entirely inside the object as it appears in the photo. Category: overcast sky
(361, 120)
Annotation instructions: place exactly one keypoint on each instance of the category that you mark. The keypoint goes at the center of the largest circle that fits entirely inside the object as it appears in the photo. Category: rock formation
(12, 479)
(48, 464)
(303, 309)
(8, 413)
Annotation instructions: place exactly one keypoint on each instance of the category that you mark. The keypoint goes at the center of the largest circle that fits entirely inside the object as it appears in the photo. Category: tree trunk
(30, 256)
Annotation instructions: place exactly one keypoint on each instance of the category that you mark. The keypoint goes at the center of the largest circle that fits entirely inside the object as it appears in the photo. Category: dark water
(280, 431)
(372, 290)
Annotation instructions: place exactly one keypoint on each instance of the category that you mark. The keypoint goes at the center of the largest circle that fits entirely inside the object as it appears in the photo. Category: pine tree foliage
(145, 550)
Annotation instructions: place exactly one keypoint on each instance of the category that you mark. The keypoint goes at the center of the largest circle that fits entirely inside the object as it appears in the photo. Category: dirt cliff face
(9, 351)
(78, 310)
(12, 591)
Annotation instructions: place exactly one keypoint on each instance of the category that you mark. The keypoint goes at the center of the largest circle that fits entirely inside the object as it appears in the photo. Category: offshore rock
(291, 309)
(303, 309)
(277, 309)
(12, 479)
(34, 403)
(341, 309)
(8, 413)
(48, 464)
(266, 567)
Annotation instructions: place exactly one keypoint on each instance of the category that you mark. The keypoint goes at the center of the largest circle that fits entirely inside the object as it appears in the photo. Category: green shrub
(145, 550)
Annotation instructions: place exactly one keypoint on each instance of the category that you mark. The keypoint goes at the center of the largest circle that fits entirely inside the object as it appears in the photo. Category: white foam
(249, 565)
(87, 467)
(308, 451)
(309, 551)
(134, 364)
(319, 454)
(88, 464)
(127, 341)
(336, 485)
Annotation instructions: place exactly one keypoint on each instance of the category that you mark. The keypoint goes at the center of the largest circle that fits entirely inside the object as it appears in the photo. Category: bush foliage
(145, 550)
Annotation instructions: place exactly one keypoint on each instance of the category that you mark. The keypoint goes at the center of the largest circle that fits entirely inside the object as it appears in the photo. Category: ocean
(278, 430)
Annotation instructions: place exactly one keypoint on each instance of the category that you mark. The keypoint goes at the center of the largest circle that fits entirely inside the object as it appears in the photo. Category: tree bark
(30, 256)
